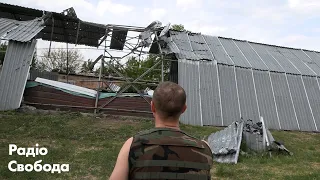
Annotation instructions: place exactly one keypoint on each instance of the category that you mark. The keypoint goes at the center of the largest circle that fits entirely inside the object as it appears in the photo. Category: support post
(100, 74)
(67, 64)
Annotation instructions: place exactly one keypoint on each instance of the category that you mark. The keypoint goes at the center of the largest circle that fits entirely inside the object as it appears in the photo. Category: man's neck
(174, 124)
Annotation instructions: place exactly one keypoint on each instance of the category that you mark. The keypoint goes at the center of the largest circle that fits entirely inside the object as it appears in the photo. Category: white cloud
(115, 8)
(304, 6)
(299, 41)
(155, 14)
(188, 4)
(204, 28)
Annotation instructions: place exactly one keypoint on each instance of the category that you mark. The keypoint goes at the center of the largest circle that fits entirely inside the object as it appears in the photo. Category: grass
(91, 145)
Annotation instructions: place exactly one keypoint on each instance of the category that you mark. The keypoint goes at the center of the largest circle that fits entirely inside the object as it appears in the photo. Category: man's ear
(153, 108)
(184, 108)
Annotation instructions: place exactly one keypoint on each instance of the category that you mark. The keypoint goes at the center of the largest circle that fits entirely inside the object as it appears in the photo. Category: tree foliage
(178, 27)
(57, 61)
(87, 66)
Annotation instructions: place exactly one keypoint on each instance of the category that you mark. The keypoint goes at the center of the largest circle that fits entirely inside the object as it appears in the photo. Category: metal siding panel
(251, 56)
(189, 80)
(14, 73)
(315, 58)
(265, 99)
(301, 103)
(313, 92)
(295, 61)
(248, 104)
(265, 56)
(309, 62)
(210, 102)
(285, 63)
(229, 101)
(234, 53)
(217, 50)
(285, 108)
(199, 47)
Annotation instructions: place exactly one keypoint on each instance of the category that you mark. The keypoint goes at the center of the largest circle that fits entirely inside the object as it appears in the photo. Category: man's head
(169, 101)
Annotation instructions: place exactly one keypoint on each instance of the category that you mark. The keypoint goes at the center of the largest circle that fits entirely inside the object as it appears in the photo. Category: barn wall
(189, 80)
(219, 94)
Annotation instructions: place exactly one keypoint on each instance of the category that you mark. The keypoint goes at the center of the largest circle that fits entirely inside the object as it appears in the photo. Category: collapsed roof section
(22, 31)
(59, 27)
(198, 47)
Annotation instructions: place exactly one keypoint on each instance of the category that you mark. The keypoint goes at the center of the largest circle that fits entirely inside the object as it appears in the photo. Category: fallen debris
(225, 144)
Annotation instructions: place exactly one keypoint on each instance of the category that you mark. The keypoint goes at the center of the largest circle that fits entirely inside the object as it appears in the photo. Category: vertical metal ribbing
(201, 120)
(306, 63)
(235, 76)
(294, 109)
(274, 97)
(217, 78)
(305, 91)
(305, 88)
(254, 84)
(200, 94)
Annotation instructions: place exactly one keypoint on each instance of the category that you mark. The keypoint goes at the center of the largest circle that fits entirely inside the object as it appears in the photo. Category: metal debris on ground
(225, 144)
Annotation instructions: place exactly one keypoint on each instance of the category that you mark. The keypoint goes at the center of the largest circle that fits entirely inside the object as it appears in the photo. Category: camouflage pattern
(163, 153)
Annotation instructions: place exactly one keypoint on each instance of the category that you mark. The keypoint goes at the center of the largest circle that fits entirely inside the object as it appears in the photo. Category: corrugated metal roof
(272, 64)
(6, 25)
(191, 46)
(22, 31)
(315, 58)
(69, 87)
(225, 144)
(14, 73)
(65, 27)
(234, 53)
(251, 55)
(217, 50)
(307, 60)
(249, 80)
(26, 30)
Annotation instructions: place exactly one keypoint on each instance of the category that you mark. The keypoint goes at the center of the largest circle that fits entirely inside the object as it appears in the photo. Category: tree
(57, 61)
(178, 27)
(87, 67)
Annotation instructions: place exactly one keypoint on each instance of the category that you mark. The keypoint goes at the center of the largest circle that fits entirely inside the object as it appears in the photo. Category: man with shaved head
(164, 152)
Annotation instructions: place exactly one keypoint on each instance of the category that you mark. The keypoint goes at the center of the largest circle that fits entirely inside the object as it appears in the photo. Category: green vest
(164, 153)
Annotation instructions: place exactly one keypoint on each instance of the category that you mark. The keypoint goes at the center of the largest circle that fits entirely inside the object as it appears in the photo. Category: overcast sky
(293, 23)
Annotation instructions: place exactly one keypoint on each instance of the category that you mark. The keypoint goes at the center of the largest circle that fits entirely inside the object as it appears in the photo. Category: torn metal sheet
(225, 144)
(69, 87)
(15, 70)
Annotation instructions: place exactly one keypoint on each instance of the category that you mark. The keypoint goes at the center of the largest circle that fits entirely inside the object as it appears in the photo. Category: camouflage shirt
(165, 153)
